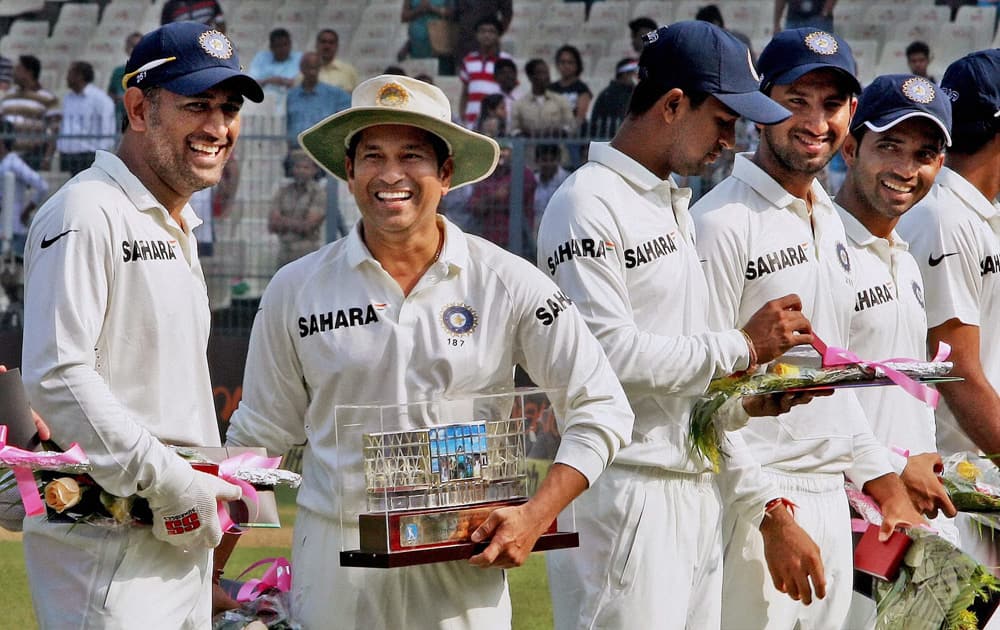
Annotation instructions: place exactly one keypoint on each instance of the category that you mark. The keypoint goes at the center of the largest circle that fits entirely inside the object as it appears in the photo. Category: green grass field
(528, 584)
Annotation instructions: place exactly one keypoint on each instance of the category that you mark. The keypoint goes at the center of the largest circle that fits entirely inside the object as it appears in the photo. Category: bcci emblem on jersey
(459, 319)
(845, 260)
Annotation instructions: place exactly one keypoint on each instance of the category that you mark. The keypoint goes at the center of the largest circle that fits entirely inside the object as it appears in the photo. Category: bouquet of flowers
(937, 583)
(707, 438)
(935, 589)
(71, 495)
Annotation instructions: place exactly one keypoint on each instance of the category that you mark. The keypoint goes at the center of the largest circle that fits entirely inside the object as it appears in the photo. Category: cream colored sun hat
(398, 100)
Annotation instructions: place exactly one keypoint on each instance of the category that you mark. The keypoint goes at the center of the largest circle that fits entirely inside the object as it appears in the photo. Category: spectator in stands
(88, 120)
(711, 13)
(299, 209)
(542, 112)
(33, 111)
(804, 13)
(334, 71)
(25, 179)
(204, 11)
(918, 58)
(115, 89)
(549, 174)
(478, 67)
(489, 206)
(417, 13)
(470, 13)
(639, 27)
(493, 116)
(6, 75)
(569, 65)
(611, 105)
(505, 74)
(312, 100)
(277, 67)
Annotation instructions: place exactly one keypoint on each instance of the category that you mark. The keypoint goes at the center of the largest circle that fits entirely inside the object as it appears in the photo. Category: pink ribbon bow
(278, 575)
(21, 461)
(833, 356)
(227, 471)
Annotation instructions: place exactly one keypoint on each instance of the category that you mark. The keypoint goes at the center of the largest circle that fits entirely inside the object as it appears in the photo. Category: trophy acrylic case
(418, 479)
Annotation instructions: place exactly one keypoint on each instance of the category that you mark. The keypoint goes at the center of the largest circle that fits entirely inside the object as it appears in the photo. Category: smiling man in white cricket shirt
(115, 340)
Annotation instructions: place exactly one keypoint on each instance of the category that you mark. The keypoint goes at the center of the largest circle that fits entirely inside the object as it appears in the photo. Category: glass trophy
(419, 478)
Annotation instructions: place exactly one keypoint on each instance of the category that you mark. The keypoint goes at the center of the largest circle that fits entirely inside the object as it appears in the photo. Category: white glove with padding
(183, 503)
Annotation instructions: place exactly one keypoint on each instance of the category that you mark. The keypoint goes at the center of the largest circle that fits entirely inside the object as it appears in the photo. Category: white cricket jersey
(619, 240)
(335, 328)
(954, 235)
(889, 323)
(116, 326)
(759, 242)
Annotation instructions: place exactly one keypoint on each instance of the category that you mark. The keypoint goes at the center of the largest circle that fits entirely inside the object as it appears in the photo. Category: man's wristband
(773, 504)
(752, 364)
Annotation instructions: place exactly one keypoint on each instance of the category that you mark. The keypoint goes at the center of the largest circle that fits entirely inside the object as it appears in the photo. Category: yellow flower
(967, 470)
(785, 369)
(62, 494)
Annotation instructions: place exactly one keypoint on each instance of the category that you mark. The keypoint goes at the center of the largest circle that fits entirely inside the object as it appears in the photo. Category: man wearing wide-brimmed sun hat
(444, 314)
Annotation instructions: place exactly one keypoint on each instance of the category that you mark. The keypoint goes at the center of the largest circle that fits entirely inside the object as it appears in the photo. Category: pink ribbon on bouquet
(227, 471)
(278, 575)
(20, 462)
(833, 356)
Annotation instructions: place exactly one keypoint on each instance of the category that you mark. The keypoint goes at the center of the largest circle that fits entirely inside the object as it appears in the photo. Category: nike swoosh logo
(934, 262)
(47, 242)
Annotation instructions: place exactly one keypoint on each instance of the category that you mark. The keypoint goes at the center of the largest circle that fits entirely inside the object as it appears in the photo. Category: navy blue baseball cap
(892, 98)
(187, 58)
(793, 53)
(973, 84)
(700, 56)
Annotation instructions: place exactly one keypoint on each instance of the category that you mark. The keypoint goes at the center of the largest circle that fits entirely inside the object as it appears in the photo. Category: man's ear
(849, 150)
(136, 108)
(670, 104)
(446, 171)
(349, 169)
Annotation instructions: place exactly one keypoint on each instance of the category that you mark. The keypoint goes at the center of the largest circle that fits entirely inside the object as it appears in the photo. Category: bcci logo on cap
(821, 43)
(392, 95)
(216, 44)
(459, 319)
(918, 90)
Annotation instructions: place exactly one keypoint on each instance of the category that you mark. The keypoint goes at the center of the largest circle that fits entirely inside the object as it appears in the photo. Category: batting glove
(189, 519)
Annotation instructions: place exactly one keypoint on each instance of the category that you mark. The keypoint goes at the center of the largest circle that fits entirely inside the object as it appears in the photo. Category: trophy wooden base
(460, 551)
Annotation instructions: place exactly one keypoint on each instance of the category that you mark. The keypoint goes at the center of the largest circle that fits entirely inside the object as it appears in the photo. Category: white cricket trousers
(750, 601)
(87, 577)
(650, 553)
(447, 595)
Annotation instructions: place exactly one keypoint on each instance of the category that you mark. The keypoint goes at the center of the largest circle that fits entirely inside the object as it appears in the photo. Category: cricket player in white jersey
(617, 237)
(412, 273)
(115, 336)
(893, 153)
(768, 229)
(954, 235)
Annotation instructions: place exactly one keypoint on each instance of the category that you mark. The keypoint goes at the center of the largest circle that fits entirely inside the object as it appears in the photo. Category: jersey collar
(454, 253)
(767, 187)
(857, 232)
(967, 193)
(136, 191)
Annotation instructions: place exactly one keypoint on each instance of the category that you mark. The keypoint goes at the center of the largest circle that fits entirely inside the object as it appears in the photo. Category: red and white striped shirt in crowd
(477, 73)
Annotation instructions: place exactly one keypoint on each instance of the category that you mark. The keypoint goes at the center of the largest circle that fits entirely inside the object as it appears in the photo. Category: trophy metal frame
(426, 475)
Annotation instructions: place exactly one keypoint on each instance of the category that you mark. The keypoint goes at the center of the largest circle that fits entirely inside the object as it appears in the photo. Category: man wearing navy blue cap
(768, 229)
(115, 349)
(893, 153)
(618, 239)
(954, 234)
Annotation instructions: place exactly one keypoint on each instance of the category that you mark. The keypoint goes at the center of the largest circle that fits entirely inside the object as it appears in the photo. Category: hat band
(146, 67)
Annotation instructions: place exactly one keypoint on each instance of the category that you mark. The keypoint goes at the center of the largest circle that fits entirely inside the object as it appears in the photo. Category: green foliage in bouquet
(937, 585)
(706, 437)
